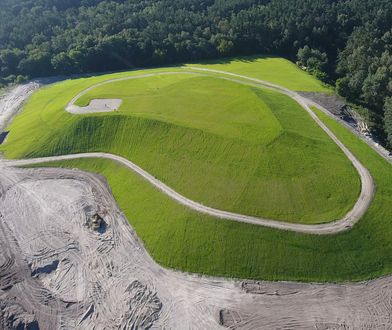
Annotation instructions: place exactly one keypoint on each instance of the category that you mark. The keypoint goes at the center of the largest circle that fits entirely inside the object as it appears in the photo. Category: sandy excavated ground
(58, 273)
(11, 102)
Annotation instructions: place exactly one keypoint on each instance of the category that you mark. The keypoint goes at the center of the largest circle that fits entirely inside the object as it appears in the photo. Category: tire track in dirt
(121, 286)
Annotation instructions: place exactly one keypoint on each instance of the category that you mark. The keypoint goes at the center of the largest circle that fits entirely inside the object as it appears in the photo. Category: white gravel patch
(96, 105)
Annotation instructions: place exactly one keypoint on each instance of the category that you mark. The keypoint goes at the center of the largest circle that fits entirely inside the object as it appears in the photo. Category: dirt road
(11, 102)
(328, 228)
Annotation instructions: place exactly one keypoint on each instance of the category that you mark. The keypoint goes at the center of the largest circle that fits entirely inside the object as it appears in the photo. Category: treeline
(347, 42)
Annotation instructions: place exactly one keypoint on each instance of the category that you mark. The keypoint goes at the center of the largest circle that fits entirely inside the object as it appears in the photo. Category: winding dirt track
(345, 223)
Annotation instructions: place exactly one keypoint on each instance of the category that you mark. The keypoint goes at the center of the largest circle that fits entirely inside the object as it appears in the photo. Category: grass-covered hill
(222, 162)
(229, 146)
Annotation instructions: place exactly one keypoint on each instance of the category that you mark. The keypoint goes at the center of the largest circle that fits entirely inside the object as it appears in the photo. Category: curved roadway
(345, 223)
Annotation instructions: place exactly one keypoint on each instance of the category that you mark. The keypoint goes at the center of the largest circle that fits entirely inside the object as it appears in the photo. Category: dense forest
(347, 43)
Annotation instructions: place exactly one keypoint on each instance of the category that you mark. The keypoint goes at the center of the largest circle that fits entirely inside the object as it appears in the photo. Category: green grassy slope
(226, 145)
(220, 108)
(273, 69)
(179, 238)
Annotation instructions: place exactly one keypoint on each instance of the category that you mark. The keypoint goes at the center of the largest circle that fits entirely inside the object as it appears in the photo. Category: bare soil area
(57, 271)
(335, 104)
(11, 102)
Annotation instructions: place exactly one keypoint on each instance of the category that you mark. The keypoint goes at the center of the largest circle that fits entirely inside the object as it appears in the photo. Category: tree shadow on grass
(244, 59)
(224, 60)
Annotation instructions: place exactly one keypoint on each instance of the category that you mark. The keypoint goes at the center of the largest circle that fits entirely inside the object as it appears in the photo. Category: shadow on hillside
(228, 60)
(3, 136)
(224, 60)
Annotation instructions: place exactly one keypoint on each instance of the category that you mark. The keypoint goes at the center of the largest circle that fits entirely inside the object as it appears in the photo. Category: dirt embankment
(11, 102)
(337, 108)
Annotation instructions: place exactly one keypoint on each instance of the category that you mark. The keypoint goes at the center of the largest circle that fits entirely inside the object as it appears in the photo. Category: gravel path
(327, 228)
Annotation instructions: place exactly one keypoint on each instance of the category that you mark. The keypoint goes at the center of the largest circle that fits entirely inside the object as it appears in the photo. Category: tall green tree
(348, 42)
(388, 119)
